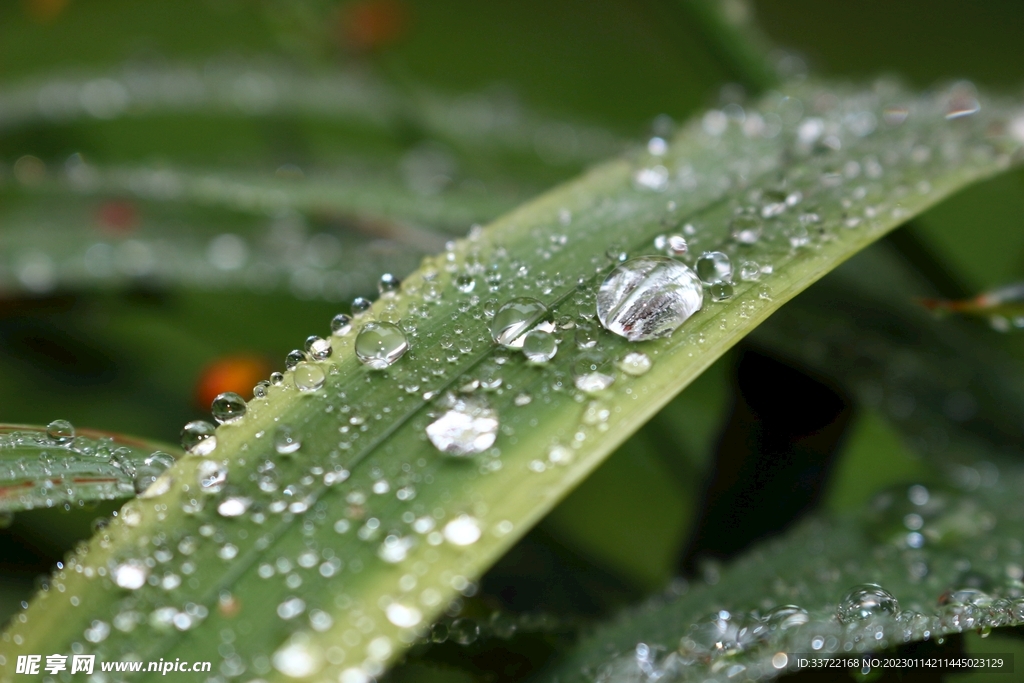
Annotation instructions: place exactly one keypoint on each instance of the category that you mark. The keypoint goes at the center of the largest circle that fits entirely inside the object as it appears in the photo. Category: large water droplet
(228, 407)
(864, 601)
(648, 297)
(380, 344)
(468, 426)
(309, 377)
(514, 319)
(60, 431)
(199, 437)
(539, 346)
(714, 266)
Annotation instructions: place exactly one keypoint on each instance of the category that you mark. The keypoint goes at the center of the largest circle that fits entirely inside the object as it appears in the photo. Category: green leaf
(736, 625)
(61, 466)
(953, 396)
(353, 531)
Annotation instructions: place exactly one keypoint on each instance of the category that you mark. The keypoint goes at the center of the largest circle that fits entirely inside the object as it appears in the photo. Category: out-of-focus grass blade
(58, 465)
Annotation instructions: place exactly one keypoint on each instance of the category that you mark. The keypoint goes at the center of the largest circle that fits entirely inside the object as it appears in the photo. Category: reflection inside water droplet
(648, 297)
(380, 344)
(514, 319)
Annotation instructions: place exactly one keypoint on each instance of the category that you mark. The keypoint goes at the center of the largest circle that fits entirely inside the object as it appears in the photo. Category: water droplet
(319, 349)
(750, 271)
(234, 506)
(131, 575)
(293, 358)
(714, 266)
(299, 658)
(464, 631)
(648, 297)
(380, 344)
(592, 372)
(514, 319)
(465, 283)
(388, 284)
(228, 407)
(309, 377)
(463, 530)
(211, 476)
(864, 601)
(468, 426)
(360, 305)
(199, 437)
(286, 441)
(395, 549)
(341, 324)
(747, 229)
(539, 346)
(785, 617)
(403, 616)
(635, 363)
(60, 431)
(720, 291)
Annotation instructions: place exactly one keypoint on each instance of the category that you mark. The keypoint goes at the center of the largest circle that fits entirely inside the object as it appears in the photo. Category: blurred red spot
(117, 217)
(45, 10)
(230, 373)
(369, 25)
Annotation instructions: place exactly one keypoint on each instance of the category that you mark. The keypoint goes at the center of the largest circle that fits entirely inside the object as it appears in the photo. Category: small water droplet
(648, 297)
(514, 319)
(131, 575)
(298, 658)
(746, 229)
(468, 426)
(592, 372)
(465, 283)
(635, 363)
(360, 306)
(309, 377)
(233, 506)
(199, 437)
(388, 284)
(286, 441)
(211, 476)
(785, 617)
(293, 358)
(60, 431)
(866, 600)
(463, 530)
(539, 346)
(714, 266)
(228, 407)
(341, 324)
(319, 349)
(403, 616)
(380, 344)
(720, 291)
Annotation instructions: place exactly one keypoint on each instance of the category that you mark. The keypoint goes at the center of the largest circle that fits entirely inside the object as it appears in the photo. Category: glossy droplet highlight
(467, 427)
(864, 601)
(380, 344)
(341, 324)
(592, 372)
(514, 319)
(235, 506)
(403, 616)
(635, 363)
(539, 346)
(228, 407)
(199, 437)
(211, 476)
(648, 297)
